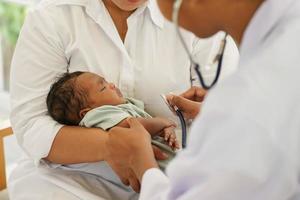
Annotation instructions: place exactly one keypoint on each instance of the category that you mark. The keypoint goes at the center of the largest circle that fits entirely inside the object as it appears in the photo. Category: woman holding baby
(130, 44)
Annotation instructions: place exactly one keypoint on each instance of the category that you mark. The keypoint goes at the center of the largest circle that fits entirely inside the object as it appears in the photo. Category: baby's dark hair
(65, 99)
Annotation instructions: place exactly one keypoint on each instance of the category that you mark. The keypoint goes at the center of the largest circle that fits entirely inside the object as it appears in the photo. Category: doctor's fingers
(159, 154)
(122, 172)
(189, 109)
(195, 94)
(130, 180)
(133, 181)
(127, 176)
(125, 181)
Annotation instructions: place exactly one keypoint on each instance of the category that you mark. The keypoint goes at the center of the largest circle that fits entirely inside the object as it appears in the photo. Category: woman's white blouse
(80, 35)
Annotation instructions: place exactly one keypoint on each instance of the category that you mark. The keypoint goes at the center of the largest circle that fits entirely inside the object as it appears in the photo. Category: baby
(86, 99)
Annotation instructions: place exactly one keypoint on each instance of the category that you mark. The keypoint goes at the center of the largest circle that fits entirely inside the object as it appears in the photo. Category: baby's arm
(158, 126)
(153, 125)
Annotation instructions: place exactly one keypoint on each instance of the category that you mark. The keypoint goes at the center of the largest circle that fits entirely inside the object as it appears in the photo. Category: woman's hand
(129, 152)
(189, 102)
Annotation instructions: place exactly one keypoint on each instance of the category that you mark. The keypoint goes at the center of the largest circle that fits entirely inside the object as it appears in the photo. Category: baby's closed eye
(101, 90)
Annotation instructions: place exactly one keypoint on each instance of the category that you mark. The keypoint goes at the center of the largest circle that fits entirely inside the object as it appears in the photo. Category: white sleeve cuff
(155, 185)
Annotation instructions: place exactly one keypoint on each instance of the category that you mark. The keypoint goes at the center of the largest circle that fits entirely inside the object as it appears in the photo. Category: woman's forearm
(74, 144)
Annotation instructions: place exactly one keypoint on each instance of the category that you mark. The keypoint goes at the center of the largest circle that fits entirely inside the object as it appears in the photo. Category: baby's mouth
(119, 92)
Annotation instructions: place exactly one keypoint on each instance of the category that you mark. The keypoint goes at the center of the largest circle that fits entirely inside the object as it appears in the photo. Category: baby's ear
(83, 112)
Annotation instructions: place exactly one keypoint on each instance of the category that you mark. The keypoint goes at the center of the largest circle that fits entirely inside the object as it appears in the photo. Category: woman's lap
(30, 182)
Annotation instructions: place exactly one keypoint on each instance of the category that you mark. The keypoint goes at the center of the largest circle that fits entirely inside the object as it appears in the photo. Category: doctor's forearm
(78, 145)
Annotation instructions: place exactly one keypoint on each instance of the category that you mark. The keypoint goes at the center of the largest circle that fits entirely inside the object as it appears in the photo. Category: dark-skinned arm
(153, 125)
(74, 144)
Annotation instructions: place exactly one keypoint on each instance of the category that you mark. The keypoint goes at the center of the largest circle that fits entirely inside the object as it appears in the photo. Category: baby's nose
(112, 86)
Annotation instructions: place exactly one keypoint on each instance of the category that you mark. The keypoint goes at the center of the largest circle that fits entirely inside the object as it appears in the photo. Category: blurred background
(12, 15)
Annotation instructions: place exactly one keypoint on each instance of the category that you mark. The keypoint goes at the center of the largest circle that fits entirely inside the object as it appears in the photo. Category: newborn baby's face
(99, 91)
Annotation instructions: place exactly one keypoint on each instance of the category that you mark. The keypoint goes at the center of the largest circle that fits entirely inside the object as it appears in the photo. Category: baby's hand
(170, 137)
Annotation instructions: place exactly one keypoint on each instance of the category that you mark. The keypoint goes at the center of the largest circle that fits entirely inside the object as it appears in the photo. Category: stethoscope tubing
(183, 127)
(219, 67)
(175, 15)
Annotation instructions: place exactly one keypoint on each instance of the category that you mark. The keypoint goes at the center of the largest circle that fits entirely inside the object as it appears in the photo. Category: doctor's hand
(130, 153)
(194, 94)
(189, 102)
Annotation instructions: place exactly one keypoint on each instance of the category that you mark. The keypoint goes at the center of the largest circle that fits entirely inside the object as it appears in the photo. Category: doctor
(248, 146)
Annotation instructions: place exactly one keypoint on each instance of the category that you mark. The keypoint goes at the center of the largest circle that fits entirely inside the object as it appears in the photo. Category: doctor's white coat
(248, 146)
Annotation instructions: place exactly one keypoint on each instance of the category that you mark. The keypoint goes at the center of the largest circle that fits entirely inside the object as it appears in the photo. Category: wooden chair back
(3, 133)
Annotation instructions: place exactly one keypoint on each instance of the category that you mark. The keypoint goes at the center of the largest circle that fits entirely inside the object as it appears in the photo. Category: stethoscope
(219, 58)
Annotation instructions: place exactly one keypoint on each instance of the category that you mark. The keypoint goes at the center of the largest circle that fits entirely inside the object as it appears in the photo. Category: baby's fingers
(167, 134)
(176, 145)
(172, 139)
